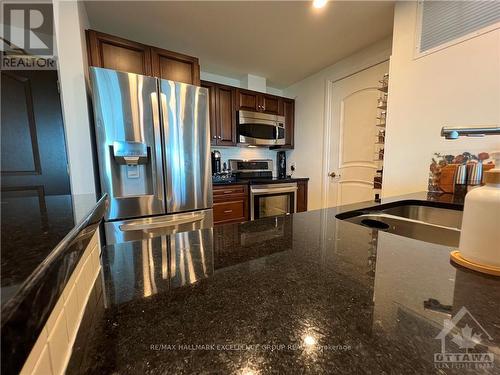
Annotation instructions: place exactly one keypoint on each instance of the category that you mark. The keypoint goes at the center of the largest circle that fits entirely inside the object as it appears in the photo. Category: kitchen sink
(421, 222)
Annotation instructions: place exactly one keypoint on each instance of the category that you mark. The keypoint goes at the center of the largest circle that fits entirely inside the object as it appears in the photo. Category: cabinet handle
(228, 211)
(215, 137)
(220, 137)
(227, 192)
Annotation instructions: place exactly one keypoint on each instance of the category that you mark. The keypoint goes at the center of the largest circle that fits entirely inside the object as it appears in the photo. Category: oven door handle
(274, 190)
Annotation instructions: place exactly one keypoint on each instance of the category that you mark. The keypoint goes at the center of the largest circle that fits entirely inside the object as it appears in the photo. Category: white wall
(309, 97)
(241, 83)
(217, 78)
(458, 85)
(70, 22)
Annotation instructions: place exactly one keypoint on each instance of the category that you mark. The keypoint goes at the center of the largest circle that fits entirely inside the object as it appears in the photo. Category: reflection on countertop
(32, 225)
(304, 293)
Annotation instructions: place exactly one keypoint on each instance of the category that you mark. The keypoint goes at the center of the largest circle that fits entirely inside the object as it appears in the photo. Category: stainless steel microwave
(261, 129)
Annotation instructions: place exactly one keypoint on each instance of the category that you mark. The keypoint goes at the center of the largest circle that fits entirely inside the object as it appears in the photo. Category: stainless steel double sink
(409, 219)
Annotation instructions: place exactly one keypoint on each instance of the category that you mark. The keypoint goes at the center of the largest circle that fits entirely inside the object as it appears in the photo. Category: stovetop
(259, 180)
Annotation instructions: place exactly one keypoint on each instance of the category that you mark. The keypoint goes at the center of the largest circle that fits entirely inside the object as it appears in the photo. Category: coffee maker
(216, 162)
(281, 157)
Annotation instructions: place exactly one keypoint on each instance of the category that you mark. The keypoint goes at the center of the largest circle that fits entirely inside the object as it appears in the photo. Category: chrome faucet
(470, 131)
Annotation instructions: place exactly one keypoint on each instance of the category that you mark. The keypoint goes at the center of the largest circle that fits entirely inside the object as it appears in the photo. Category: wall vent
(444, 22)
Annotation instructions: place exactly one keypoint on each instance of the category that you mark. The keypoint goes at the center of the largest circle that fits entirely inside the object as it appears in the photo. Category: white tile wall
(52, 350)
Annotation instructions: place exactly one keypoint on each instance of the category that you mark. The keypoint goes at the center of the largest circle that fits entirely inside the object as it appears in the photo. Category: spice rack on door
(380, 134)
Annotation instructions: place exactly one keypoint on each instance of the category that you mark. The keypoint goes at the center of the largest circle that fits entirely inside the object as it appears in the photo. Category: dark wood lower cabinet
(302, 196)
(230, 203)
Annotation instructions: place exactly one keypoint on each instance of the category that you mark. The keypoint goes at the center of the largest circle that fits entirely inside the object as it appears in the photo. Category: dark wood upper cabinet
(175, 66)
(112, 52)
(222, 113)
(247, 100)
(289, 113)
(211, 87)
(271, 104)
(255, 101)
(226, 116)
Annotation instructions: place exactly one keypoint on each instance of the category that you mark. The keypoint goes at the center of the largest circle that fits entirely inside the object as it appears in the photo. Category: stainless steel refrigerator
(153, 149)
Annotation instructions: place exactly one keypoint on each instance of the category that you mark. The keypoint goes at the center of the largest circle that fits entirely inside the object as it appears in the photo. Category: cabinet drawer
(229, 211)
(221, 191)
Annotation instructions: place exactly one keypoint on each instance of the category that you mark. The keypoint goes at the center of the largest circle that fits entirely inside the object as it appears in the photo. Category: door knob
(332, 174)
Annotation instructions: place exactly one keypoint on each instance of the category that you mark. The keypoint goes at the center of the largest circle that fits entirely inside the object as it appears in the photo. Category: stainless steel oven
(272, 200)
(260, 129)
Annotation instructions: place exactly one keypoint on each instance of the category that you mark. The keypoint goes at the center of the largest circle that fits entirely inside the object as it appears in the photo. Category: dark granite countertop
(303, 293)
(41, 246)
(31, 227)
(257, 181)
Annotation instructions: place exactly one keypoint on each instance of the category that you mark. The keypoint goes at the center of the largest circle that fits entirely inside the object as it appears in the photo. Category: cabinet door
(232, 211)
(247, 100)
(289, 113)
(175, 66)
(108, 51)
(211, 87)
(301, 196)
(226, 116)
(230, 203)
(271, 104)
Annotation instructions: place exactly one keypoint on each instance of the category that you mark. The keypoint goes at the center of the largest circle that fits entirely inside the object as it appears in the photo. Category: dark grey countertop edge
(26, 313)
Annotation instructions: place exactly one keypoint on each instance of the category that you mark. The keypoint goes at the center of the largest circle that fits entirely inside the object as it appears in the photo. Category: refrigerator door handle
(162, 224)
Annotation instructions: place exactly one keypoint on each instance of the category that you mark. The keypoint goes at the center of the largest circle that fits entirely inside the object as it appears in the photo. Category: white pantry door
(351, 160)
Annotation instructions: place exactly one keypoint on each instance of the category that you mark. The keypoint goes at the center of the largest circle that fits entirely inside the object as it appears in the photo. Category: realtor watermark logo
(465, 339)
(28, 36)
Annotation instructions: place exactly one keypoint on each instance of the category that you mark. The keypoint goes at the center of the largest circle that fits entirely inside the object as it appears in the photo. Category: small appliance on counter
(480, 235)
(281, 157)
(480, 232)
(220, 174)
(216, 162)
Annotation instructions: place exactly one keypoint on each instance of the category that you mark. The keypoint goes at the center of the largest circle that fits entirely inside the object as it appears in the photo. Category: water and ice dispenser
(132, 169)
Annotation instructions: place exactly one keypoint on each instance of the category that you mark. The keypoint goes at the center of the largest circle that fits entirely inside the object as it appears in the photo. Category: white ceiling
(284, 41)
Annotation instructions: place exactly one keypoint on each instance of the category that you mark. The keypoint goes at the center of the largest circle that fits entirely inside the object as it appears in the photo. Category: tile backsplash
(247, 153)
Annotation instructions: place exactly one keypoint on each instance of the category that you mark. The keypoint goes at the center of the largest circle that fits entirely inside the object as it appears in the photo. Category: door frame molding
(328, 125)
